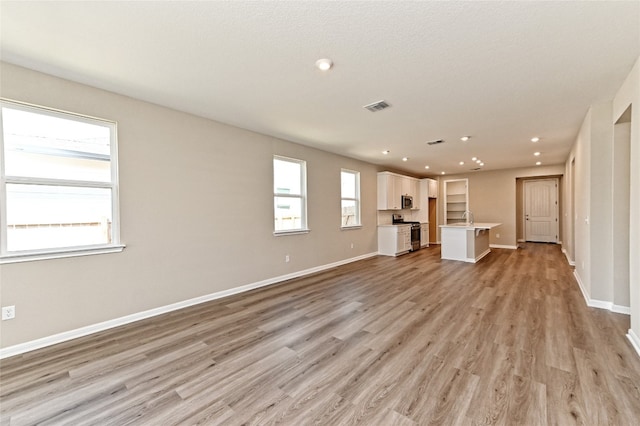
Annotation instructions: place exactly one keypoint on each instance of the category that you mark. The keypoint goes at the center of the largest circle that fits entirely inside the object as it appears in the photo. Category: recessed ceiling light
(536, 153)
(474, 158)
(478, 161)
(441, 173)
(481, 164)
(538, 163)
(386, 151)
(405, 158)
(464, 138)
(426, 167)
(536, 139)
(324, 64)
(462, 163)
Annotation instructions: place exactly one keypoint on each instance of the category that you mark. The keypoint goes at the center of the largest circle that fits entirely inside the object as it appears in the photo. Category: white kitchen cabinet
(389, 191)
(456, 197)
(433, 188)
(391, 188)
(424, 235)
(394, 240)
(410, 186)
(422, 204)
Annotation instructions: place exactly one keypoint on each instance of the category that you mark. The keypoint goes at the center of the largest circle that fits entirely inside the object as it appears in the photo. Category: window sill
(59, 253)
(348, 228)
(292, 232)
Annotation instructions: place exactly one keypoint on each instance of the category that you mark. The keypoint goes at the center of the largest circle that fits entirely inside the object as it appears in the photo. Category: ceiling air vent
(435, 142)
(377, 106)
(476, 169)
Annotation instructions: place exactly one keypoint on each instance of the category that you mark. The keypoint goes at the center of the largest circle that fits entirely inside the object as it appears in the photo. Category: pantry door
(541, 210)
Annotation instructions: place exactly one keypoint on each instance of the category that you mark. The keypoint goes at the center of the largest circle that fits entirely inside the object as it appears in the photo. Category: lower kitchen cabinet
(424, 235)
(394, 240)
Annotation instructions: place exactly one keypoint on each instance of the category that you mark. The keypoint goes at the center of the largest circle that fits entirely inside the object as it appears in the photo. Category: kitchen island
(467, 242)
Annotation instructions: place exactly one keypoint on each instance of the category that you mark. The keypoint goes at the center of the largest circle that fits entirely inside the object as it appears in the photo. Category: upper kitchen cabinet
(410, 186)
(456, 197)
(391, 188)
(433, 188)
(389, 191)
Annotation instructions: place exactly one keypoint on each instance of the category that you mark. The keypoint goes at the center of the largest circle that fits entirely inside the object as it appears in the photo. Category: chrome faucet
(468, 215)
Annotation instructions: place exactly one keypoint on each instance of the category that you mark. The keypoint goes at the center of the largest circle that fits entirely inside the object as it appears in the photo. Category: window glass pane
(349, 213)
(43, 146)
(288, 213)
(286, 177)
(42, 216)
(348, 185)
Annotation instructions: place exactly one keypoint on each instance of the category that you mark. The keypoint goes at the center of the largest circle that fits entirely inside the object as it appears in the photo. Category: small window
(350, 193)
(58, 178)
(289, 195)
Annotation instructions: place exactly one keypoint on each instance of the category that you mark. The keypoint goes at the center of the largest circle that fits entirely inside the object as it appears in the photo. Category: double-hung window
(289, 195)
(350, 193)
(58, 184)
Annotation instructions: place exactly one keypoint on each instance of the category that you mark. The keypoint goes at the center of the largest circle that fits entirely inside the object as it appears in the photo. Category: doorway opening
(621, 206)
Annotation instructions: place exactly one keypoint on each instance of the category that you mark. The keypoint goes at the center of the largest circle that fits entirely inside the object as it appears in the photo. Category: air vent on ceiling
(435, 142)
(377, 106)
(473, 170)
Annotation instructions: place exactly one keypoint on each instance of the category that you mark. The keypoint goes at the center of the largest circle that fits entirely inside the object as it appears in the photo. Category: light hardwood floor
(384, 341)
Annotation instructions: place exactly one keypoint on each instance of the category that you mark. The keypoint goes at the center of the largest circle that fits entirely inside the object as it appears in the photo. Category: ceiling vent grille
(377, 106)
(435, 142)
(476, 169)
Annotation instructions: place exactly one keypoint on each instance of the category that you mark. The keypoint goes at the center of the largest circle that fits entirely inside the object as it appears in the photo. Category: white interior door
(541, 210)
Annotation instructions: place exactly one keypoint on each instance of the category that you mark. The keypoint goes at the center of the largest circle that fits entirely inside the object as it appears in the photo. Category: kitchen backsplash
(385, 217)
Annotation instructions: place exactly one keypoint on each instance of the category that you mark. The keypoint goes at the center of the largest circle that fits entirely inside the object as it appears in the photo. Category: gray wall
(629, 95)
(607, 182)
(196, 201)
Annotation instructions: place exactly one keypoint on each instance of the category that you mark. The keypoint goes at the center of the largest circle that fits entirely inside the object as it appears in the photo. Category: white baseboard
(635, 340)
(600, 304)
(521, 241)
(566, 254)
(117, 322)
(619, 309)
(503, 246)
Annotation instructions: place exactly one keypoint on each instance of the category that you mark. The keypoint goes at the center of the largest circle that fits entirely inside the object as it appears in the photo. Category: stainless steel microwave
(407, 202)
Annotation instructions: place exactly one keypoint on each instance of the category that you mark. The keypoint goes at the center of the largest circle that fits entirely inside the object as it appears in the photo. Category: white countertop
(477, 225)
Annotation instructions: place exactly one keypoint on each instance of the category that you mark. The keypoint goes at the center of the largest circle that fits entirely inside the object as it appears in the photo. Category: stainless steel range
(415, 230)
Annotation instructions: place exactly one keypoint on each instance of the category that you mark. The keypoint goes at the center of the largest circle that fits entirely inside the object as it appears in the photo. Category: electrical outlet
(351, 245)
(8, 312)
(286, 258)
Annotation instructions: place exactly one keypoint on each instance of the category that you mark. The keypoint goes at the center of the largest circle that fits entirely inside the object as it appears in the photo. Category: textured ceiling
(501, 72)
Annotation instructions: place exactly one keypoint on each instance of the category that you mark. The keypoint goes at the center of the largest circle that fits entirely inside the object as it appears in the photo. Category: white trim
(582, 290)
(117, 322)
(503, 246)
(350, 227)
(481, 255)
(520, 240)
(619, 309)
(566, 254)
(291, 232)
(112, 184)
(600, 304)
(635, 340)
(59, 254)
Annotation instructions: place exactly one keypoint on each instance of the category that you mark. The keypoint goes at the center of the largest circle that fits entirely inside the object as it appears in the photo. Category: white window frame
(303, 229)
(59, 252)
(358, 223)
